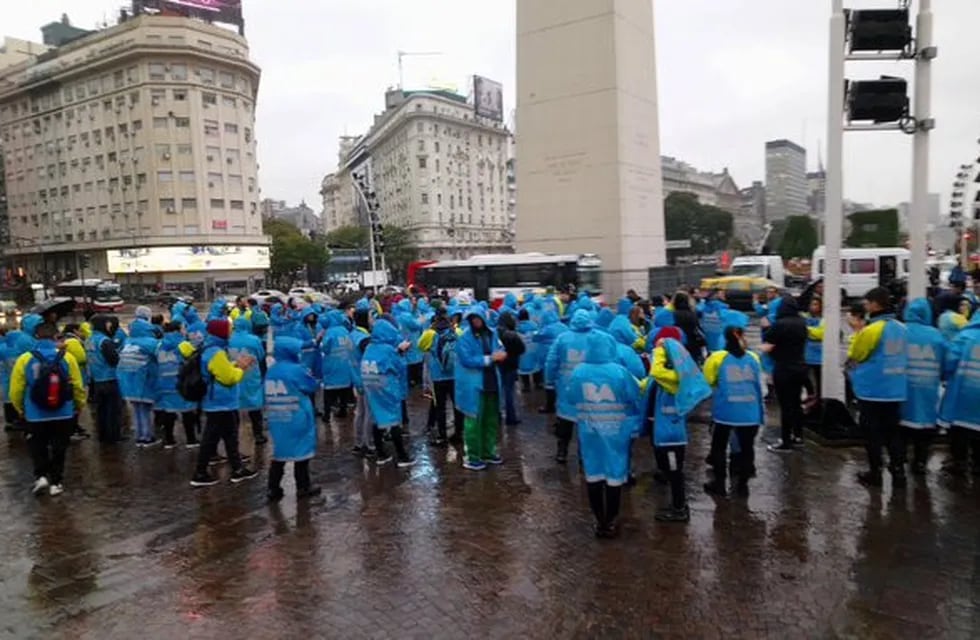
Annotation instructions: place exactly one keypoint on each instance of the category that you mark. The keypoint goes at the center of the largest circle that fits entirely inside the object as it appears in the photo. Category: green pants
(480, 433)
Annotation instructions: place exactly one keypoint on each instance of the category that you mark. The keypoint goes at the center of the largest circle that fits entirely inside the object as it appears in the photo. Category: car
(262, 295)
(167, 298)
(300, 292)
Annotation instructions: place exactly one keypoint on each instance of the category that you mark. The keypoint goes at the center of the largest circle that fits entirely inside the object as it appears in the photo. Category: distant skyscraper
(786, 180)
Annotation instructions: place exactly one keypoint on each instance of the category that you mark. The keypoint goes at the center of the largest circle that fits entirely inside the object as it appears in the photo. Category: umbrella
(59, 306)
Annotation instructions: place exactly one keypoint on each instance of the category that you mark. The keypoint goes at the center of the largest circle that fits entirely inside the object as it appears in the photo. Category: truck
(374, 279)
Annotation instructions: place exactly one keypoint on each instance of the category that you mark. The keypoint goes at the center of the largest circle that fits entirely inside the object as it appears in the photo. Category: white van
(864, 269)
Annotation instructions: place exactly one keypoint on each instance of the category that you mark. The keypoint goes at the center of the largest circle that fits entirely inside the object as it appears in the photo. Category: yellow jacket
(713, 365)
(427, 339)
(186, 349)
(18, 381)
(865, 341)
(75, 347)
(85, 330)
(662, 375)
(236, 313)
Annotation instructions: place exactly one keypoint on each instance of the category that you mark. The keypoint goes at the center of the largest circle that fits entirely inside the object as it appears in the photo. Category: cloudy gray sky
(732, 74)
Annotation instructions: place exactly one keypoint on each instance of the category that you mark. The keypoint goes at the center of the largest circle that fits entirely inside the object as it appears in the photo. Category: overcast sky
(732, 74)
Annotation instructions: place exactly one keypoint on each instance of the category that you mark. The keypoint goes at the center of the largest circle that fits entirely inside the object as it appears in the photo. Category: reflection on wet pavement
(438, 552)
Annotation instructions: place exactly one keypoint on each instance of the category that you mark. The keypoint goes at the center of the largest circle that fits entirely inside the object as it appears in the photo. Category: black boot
(870, 478)
(382, 457)
(716, 488)
(561, 456)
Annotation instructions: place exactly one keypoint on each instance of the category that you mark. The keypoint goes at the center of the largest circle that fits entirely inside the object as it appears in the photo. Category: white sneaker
(56, 490)
(40, 485)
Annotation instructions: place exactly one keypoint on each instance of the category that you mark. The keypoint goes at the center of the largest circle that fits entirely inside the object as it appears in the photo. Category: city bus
(101, 295)
(491, 277)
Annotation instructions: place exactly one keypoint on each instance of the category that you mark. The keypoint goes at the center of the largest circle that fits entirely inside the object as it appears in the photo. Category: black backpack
(190, 380)
(52, 390)
(446, 350)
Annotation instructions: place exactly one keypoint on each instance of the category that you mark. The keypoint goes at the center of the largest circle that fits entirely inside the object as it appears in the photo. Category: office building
(301, 216)
(135, 145)
(589, 176)
(438, 170)
(786, 182)
(751, 219)
(817, 193)
(714, 189)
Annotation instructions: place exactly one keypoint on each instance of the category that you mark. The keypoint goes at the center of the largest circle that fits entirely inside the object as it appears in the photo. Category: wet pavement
(439, 552)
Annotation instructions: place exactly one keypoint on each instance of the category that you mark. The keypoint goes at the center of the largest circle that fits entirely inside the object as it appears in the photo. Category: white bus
(864, 269)
(491, 277)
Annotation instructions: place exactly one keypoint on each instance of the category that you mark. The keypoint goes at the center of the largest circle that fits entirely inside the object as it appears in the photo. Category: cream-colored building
(139, 137)
(437, 170)
(588, 148)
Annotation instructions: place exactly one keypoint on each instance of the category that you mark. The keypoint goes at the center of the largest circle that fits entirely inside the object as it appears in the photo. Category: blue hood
(332, 319)
(424, 307)
(529, 297)
(477, 311)
(622, 331)
(510, 301)
(549, 317)
(404, 306)
(663, 317)
(606, 316)
(171, 340)
(217, 309)
(287, 349)
(600, 349)
(362, 304)
(918, 311)
(384, 332)
(581, 322)
(242, 324)
(191, 316)
(737, 319)
(141, 328)
(29, 323)
(624, 306)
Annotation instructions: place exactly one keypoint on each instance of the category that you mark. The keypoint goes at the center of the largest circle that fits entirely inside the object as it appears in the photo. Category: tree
(400, 247)
(348, 238)
(291, 252)
(800, 238)
(707, 227)
(874, 228)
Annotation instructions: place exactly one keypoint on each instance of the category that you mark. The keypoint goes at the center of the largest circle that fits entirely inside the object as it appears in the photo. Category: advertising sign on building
(187, 258)
(226, 11)
(488, 98)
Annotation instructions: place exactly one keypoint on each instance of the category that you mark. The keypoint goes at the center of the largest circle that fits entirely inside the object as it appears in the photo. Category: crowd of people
(610, 374)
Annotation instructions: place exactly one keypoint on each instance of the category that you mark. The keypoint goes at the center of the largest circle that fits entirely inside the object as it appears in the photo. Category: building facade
(130, 143)
(437, 170)
(816, 182)
(786, 182)
(714, 189)
(301, 216)
(751, 218)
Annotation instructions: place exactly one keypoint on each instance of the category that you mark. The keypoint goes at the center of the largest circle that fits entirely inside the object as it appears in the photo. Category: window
(422, 145)
(134, 98)
(419, 126)
(119, 78)
(439, 198)
(156, 95)
(123, 129)
(231, 128)
(157, 71)
(162, 151)
(210, 127)
(182, 123)
(209, 99)
(421, 163)
(140, 179)
(167, 205)
(111, 157)
(214, 179)
(186, 176)
(217, 203)
(232, 155)
(437, 146)
(862, 265)
(226, 79)
(165, 176)
(207, 76)
(178, 71)
(127, 180)
(184, 149)
(425, 198)
(236, 205)
(235, 182)
(437, 165)
(214, 154)
(188, 203)
(248, 134)
(159, 123)
(228, 102)
(180, 95)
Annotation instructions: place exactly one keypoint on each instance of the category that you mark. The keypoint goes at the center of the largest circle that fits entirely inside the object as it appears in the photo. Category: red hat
(219, 329)
(668, 332)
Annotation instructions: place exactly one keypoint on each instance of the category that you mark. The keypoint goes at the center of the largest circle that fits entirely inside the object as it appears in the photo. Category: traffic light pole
(831, 379)
(918, 218)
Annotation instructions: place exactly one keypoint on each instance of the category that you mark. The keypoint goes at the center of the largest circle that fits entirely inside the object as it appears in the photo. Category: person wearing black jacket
(686, 319)
(785, 342)
(514, 347)
(102, 355)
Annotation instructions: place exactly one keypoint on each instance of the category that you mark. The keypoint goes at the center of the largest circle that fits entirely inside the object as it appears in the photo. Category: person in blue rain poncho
(167, 402)
(103, 356)
(438, 343)
(244, 342)
(136, 373)
(411, 330)
(529, 365)
(622, 332)
(813, 354)
(510, 303)
(738, 409)
(292, 423)
(926, 355)
(305, 329)
(551, 328)
(477, 392)
(678, 386)
(360, 338)
(565, 354)
(8, 357)
(385, 379)
(959, 408)
(335, 355)
(710, 312)
(606, 401)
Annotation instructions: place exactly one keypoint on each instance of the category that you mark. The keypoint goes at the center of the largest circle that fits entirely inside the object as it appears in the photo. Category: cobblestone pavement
(438, 552)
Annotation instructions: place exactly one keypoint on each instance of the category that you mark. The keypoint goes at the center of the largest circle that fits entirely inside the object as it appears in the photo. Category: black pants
(11, 419)
(108, 410)
(743, 462)
(564, 430)
(301, 473)
(880, 427)
(920, 439)
(604, 501)
(415, 374)
(549, 400)
(962, 443)
(673, 467)
(443, 393)
(48, 442)
(396, 440)
(789, 383)
(814, 372)
(166, 420)
(219, 425)
(335, 398)
(255, 418)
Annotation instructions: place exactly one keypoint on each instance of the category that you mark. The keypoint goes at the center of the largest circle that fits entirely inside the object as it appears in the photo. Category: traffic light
(379, 237)
(879, 29)
(883, 100)
(85, 260)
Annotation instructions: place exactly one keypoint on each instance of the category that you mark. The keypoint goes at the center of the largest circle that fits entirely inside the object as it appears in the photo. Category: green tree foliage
(400, 246)
(348, 238)
(708, 228)
(799, 238)
(292, 251)
(874, 228)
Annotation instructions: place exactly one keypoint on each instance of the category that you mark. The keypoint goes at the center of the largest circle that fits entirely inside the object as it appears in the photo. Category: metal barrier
(666, 280)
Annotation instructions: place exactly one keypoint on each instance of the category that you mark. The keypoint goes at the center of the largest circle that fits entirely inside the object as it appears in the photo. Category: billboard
(187, 258)
(226, 11)
(488, 98)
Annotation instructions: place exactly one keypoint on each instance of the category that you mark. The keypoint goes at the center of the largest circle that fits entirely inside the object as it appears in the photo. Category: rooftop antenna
(404, 54)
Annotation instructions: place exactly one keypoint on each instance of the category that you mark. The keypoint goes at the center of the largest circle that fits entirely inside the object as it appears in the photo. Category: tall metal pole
(918, 217)
(832, 379)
